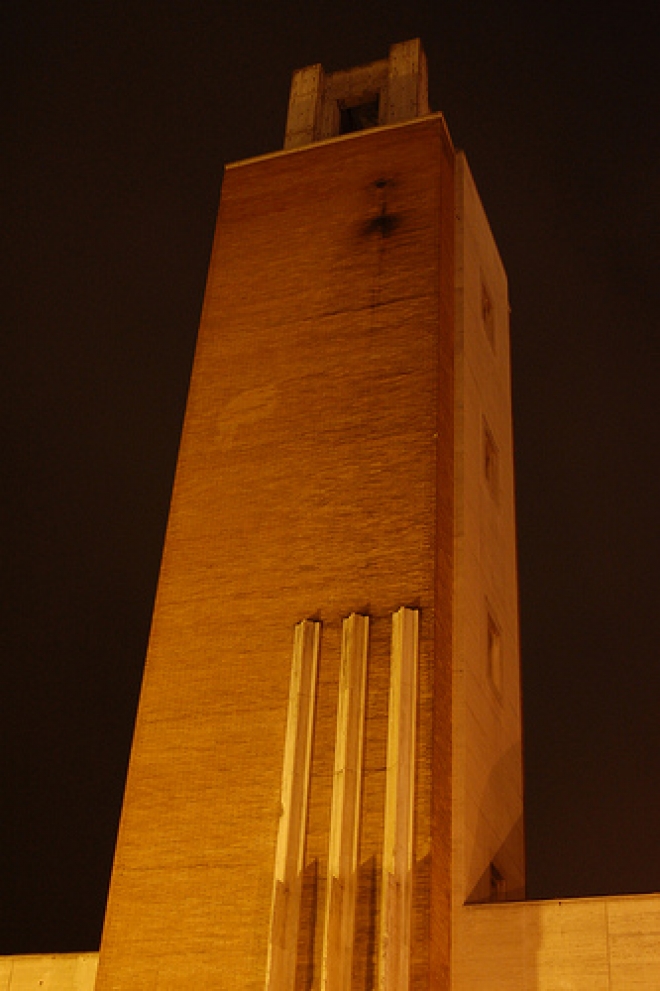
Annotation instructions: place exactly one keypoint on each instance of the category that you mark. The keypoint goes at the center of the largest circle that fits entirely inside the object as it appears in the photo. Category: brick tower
(326, 762)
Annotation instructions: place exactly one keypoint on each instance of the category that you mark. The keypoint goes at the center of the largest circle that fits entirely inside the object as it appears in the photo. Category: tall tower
(326, 762)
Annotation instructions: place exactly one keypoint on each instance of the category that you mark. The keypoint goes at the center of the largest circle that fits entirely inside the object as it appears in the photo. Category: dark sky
(119, 118)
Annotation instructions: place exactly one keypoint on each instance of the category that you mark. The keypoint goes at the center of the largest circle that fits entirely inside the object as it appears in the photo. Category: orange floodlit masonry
(325, 786)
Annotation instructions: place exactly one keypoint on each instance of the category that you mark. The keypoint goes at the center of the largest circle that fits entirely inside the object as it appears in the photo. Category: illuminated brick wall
(315, 479)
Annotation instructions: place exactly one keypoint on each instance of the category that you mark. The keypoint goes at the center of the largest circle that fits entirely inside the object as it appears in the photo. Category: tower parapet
(325, 105)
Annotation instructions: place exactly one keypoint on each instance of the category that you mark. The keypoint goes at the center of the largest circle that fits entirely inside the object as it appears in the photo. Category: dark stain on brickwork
(385, 222)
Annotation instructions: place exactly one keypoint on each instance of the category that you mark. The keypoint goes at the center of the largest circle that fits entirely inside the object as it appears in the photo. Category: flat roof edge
(425, 119)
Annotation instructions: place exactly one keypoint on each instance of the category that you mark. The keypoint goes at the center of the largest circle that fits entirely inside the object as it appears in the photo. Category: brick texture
(314, 480)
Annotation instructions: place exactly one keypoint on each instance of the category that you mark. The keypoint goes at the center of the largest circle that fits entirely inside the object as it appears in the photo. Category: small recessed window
(494, 661)
(359, 117)
(488, 314)
(491, 466)
(497, 884)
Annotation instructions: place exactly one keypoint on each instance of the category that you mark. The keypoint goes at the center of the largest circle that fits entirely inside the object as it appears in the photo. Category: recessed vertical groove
(290, 850)
(398, 852)
(345, 815)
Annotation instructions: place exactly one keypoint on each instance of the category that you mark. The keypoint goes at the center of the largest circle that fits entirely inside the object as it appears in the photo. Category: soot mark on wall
(384, 221)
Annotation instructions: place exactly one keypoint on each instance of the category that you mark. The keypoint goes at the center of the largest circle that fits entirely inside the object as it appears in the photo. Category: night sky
(119, 118)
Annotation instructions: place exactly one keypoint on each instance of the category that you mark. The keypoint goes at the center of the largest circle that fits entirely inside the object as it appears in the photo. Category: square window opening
(495, 665)
(497, 884)
(359, 117)
(490, 461)
(488, 314)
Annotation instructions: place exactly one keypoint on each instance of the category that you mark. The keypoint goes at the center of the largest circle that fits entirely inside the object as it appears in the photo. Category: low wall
(600, 944)
(49, 972)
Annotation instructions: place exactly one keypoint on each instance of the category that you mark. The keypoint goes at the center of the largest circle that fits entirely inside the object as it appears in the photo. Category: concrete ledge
(49, 972)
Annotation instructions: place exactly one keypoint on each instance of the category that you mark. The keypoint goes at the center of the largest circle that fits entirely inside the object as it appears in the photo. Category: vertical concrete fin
(396, 896)
(304, 106)
(345, 814)
(290, 850)
(407, 82)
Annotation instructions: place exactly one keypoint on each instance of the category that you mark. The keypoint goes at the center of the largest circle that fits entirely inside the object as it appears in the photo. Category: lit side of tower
(326, 761)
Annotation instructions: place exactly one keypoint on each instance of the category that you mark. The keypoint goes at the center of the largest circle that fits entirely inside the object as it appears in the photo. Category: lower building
(49, 972)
